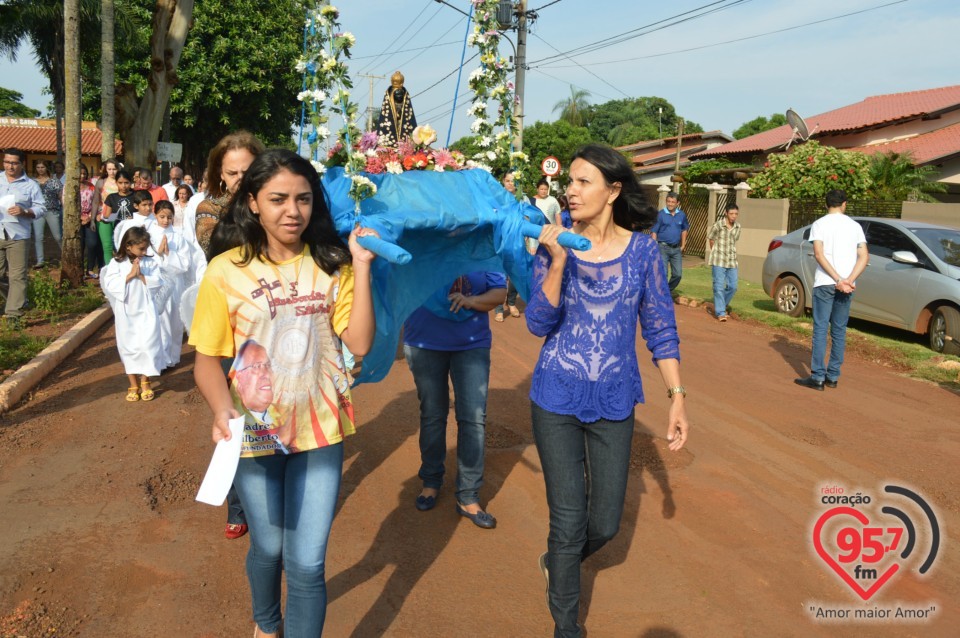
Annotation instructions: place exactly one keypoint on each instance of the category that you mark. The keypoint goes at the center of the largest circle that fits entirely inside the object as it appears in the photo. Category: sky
(720, 66)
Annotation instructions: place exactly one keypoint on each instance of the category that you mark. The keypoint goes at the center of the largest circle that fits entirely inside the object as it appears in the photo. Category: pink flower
(406, 147)
(375, 165)
(368, 141)
(444, 158)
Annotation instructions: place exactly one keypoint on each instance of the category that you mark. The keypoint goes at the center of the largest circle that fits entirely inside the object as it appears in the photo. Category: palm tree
(573, 109)
(894, 177)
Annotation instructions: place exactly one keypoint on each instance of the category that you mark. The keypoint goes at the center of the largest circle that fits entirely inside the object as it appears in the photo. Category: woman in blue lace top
(587, 381)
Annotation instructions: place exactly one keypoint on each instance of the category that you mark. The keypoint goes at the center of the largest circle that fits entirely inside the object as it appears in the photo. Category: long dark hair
(631, 210)
(240, 227)
(133, 236)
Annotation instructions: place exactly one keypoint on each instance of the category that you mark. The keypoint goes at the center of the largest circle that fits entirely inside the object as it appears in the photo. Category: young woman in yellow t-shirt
(281, 303)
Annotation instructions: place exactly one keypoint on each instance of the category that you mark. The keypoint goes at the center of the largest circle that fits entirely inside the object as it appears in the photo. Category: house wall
(943, 214)
(888, 133)
(760, 221)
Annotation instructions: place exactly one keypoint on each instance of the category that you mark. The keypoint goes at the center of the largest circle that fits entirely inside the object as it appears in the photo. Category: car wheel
(945, 330)
(789, 296)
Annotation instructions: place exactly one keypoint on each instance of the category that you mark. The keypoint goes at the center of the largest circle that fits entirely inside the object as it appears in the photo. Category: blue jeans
(724, 288)
(585, 468)
(672, 263)
(289, 501)
(470, 372)
(830, 307)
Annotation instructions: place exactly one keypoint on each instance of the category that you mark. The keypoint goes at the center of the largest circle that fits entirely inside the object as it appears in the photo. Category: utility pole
(521, 68)
(370, 107)
(676, 164)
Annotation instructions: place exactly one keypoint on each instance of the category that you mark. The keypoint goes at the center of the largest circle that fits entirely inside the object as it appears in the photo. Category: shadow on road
(408, 541)
(644, 457)
(797, 357)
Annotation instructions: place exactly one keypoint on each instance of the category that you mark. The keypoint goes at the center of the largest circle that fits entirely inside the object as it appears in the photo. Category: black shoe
(830, 384)
(810, 382)
(480, 519)
(426, 503)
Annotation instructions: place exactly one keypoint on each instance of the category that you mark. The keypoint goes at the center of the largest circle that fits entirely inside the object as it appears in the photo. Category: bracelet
(679, 389)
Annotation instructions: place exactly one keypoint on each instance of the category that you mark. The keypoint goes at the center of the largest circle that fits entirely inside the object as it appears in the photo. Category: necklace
(292, 284)
(600, 252)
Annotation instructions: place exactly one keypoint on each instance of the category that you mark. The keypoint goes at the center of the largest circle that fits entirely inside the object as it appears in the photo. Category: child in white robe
(143, 216)
(174, 254)
(133, 284)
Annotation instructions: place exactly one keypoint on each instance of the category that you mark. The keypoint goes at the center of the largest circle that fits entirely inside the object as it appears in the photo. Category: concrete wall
(760, 221)
(943, 214)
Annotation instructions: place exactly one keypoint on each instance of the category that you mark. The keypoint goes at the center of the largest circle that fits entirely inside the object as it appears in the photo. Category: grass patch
(894, 348)
(54, 308)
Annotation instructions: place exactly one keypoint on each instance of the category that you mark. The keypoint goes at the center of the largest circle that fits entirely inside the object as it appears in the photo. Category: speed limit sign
(550, 166)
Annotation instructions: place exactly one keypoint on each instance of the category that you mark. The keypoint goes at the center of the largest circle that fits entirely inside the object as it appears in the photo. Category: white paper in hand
(223, 467)
(7, 202)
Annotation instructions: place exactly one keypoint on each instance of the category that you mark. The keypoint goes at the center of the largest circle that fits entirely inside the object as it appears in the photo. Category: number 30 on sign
(550, 166)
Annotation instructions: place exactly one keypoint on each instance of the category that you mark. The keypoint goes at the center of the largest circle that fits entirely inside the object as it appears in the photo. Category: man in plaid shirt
(723, 238)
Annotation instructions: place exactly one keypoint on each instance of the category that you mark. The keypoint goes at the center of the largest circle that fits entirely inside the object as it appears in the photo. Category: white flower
(321, 168)
(318, 95)
(502, 135)
(484, 142)
(302, 95)
(476, 74)
(438, 168)
(394, 167)
(491, 155)
(477, 125)
(323, 132)
(329, 64)
(359, 157)
(349, 37)
(424, 135)
(301, 66)
(518, 155)
(477, 109)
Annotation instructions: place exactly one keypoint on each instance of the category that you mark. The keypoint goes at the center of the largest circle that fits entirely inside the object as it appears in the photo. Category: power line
(546, 5)
(716, 44)
(553, 77)
(680, 18)
(441, 44)
(581, 66)
(399, 35)
(455, 69)
(412, 37)
(452, 27)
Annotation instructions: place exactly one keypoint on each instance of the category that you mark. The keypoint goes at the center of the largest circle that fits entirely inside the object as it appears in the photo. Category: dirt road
(103, 538)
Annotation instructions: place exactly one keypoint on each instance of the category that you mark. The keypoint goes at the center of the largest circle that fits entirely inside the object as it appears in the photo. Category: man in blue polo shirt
(670, 232)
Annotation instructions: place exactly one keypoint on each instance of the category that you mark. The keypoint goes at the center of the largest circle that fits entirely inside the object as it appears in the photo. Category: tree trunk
(71, 262)
(140, 123)
(57, 84)
(107, 81)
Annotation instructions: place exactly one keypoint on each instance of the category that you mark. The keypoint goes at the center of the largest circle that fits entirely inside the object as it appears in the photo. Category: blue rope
(463, 55)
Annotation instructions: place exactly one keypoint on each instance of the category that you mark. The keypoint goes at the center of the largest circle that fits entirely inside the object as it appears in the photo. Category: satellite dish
(799, 127)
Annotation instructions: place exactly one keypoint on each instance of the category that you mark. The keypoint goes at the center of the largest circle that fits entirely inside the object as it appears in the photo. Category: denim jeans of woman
(585, 468)
(724, 288)
(289, 502)
(93, 253)
(50, 218)
(470, 372)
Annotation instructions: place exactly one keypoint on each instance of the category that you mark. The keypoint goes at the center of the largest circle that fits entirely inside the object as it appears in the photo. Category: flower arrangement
(491, 82)
(412, 154)
(325, 76)
(326, 79)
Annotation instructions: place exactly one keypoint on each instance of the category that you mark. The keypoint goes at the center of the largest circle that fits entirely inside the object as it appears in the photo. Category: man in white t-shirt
(176, 178)
(840, 248)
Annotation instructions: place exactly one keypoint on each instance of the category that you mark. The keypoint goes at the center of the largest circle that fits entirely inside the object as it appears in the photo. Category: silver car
(912, 282)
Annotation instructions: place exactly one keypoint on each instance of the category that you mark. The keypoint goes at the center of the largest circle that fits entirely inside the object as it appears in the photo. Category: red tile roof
(925, 149)
(872, 112)
(672, 141)
(42, 139)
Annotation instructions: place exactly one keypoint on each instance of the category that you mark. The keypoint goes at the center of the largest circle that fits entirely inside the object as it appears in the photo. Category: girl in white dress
(134, 286)
(175, 261)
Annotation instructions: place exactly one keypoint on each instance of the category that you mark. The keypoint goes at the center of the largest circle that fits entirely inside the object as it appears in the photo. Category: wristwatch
(679, 389)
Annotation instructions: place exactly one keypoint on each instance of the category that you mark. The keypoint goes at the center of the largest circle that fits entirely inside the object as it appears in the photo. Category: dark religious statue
(396, 120)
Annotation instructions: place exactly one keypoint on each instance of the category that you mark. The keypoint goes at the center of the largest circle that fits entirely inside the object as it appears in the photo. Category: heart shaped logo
(856, 548)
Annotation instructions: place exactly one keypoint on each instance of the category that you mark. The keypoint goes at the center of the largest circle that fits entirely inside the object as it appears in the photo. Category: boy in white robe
(143, 216)
(175, 262)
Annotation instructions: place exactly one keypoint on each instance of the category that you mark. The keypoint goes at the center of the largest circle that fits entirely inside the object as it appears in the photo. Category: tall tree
(11, 105)
(894, 177)
(139, 120)
(573, 109)
(759, 125)
(107, 80)
(621, 122)
(71, 262)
